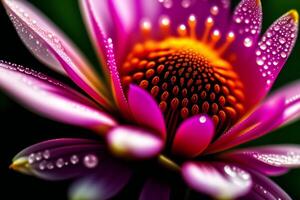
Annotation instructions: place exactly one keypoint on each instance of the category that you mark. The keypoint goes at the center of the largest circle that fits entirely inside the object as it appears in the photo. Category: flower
(182, 85)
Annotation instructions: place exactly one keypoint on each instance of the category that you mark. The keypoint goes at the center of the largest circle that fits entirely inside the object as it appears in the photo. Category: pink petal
(155, 189)
(264, 188)
(270, 160)
(53, 48)
(134, 142)
(51, 98)
(222, 181)
(145, 110)
(257, 124)
(59, 159)
(246, 25)
(193, 136)
(110, 178)
(276, 45)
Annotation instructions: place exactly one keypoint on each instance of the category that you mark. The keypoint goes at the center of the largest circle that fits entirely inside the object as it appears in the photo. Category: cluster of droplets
(183, 3)
(274, 47)
(40, 41)
(291, 158)
(237, 173)
(264, 193)
(248, 20)
(292, 99)
(44, 161)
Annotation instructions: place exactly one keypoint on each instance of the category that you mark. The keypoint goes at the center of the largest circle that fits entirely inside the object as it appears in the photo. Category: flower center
(187, 77)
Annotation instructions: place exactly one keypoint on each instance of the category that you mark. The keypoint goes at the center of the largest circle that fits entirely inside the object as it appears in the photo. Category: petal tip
(20, 165)
(294, 14)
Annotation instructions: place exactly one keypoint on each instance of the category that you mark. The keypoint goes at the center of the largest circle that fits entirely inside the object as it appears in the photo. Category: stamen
(182, 30)
(215, 37)
(192, 25)
(229, 39)
(208, 25)
(146, 28)
(165, 26)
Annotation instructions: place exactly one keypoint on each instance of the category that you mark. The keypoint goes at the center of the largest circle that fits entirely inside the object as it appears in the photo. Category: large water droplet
(90, 161)
(74, 159)
(60, 163)
(248, 42)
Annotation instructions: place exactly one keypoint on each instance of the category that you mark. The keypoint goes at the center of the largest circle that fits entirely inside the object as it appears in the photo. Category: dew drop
(38, 156)
(186, 3)
(259, 61)
(202, 119)
(90, 161)
(263, 47)
(74, 159)
(42, 165)
(50, 166)
(283, 55)
(282, 40)
(60, 163)
(46, 154)
(31, 158)
(214, 10)
(248, 42)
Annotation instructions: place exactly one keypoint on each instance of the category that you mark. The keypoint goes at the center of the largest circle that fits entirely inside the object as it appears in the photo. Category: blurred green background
(65, 13)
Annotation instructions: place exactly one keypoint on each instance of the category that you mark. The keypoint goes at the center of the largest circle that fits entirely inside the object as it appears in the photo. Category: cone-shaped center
(186, 78)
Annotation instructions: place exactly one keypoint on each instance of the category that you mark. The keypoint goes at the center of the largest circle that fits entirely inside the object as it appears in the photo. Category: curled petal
(51, 98)
(257, 124)
(134, 142)
(59, 158)
(53, 48)
(264, 188)
(193, 136)
(270, 160)
(154, 189)
(111, 177)
(145, 110)
(219, 180)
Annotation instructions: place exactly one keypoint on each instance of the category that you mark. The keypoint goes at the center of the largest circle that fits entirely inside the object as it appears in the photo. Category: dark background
(20, 128)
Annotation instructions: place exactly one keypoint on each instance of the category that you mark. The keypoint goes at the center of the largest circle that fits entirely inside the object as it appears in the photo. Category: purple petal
(193, 136)
(145, 110)
(53, 48)
(154, 189)
(291, 94)
(246, 25)
(108, 181)
(257, 124)
(264, 188)
(60, 158)
(222, 181)
(275, 46)
(270, 160)
(51, 98)
(134, 142)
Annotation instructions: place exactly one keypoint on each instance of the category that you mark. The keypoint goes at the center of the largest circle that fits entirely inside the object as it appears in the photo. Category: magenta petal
(111, 177)
(153, 189)
(222, 181)
(133, 142)
(263, 188)
(60, 158)
(51, 98)
(275, 47)
(53, 48)
(257, 124)
(270, 160)
(145, 110)
(193, 136)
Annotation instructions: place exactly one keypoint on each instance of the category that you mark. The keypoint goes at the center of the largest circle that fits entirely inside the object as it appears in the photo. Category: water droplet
(38, 156)
(90, 161)
(186, 3)
(282, 40)
(238, 20)
(46, 154)
(50, 165)
(214, 10)
(202, 119)
(283, 55)
(60, 163)
(31, 158)
(74, 159)
(42, 165)
(259, 61)
(248, 42)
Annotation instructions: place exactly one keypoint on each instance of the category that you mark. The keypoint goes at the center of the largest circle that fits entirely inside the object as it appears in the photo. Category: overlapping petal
(110, 178)
(193, 136)
(51, 98)
(53, 48)
(155, 189)
(145, 110)
(270, 160)
(134, 142)
(60, 158)
(219, 180)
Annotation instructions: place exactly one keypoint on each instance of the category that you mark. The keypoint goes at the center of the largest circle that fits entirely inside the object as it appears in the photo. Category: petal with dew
(134, 142)
(60, 159)
(145, 110)
(222, 181)
(275, 47)
(193, 136)
(53, 48)
(257, 124)
(270, 160)
(108, 181)
(264, 188)
(51, 98)
(155, 189)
